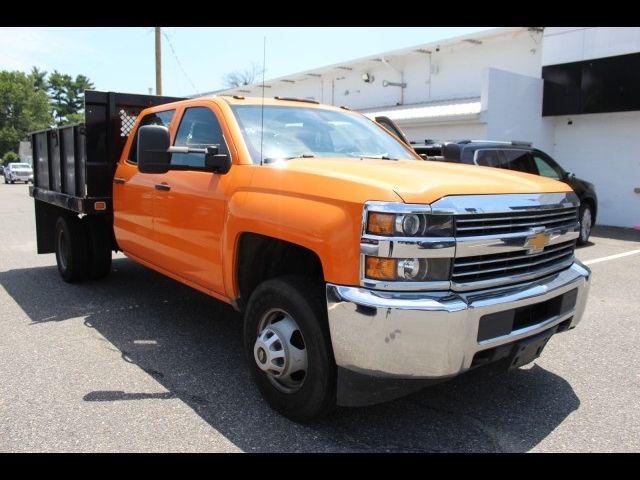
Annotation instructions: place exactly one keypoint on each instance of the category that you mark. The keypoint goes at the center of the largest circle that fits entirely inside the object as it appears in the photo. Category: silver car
(17, 172)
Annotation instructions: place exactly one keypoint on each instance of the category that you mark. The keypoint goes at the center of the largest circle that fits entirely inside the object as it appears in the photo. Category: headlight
(409, 224)
(413, 268)
(407, 269)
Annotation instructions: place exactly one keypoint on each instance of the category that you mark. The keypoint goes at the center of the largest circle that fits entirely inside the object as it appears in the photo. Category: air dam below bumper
(384, 342)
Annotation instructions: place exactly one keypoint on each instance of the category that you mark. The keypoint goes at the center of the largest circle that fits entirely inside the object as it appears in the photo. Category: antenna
(264, 61)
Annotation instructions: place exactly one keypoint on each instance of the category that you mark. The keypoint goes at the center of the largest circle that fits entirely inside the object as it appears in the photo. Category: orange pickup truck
(363, 272)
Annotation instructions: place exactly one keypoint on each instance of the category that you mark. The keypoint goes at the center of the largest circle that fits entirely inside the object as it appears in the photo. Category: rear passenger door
(190, 205)
(133, 194)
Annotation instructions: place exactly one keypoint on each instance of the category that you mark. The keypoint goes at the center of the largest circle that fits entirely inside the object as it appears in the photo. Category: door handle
(163, 187)
(119, 180)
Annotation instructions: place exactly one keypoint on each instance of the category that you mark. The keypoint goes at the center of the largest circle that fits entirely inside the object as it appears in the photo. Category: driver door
(189, 206)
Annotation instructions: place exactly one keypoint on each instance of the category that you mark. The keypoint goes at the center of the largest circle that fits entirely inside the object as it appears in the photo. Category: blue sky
(196, 59)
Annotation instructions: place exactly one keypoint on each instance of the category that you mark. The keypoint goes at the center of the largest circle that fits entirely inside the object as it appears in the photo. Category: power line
(178, 62)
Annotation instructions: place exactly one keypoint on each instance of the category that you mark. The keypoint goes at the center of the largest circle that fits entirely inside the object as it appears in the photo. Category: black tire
(586, 217)
(5, 180)
(304, 300)
(72, 253)
(98, 233)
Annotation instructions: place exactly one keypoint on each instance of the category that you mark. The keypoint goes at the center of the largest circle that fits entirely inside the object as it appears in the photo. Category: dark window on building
(600, 85)
(199, 128)
(157, 118)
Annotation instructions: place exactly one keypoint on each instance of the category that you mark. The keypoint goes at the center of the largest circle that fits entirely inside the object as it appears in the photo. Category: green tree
(23, 109)
(67, 96)
(39, 78)
(10, 157)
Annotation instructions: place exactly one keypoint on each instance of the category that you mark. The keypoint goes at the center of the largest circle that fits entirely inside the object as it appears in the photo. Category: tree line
(34, 101)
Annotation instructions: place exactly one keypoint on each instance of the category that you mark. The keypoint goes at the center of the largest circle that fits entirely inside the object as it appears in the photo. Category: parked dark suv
(520, 156)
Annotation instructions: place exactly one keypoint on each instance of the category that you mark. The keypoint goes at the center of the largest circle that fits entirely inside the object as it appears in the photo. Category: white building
(24, 152)
(490, 85)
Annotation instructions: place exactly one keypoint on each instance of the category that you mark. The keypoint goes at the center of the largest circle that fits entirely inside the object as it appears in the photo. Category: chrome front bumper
(431, 335)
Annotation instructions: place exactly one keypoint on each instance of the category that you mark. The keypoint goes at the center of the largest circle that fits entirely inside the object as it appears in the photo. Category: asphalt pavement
(139, 362)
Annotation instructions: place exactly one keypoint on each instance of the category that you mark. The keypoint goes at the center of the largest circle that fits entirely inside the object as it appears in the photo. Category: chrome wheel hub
(280, 351)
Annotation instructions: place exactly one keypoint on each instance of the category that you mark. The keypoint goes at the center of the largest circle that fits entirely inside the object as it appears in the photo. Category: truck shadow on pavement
(192, 345)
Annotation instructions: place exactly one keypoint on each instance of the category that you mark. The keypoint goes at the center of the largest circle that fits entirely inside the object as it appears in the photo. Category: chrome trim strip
(510, 242)
(408, 247)
(499, 258)
(475, 204)
(568, 211)
(573, 218)
(406, 286)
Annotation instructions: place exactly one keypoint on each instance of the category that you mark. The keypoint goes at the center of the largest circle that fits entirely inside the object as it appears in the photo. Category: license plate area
(527, 350)
(505, 322)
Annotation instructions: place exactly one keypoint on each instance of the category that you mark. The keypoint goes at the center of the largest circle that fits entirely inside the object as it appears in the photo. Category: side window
(519, 160)
(199, 128)
(547, 168)
(488, 158)
(157, 118)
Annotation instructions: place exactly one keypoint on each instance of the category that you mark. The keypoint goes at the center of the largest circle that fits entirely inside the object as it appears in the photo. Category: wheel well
(261, 258)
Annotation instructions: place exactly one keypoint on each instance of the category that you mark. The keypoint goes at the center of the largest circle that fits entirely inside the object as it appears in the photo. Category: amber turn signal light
(380, 268)
(381, 223)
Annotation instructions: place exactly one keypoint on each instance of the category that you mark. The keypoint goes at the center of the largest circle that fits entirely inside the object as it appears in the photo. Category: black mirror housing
(451, 151)
(217, 162)
(153, 146)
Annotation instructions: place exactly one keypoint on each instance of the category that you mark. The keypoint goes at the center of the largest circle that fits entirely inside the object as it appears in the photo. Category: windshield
(292, 132)
(20, 166)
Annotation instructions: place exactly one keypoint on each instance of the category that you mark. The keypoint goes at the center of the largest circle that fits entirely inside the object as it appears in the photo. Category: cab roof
(278, 101)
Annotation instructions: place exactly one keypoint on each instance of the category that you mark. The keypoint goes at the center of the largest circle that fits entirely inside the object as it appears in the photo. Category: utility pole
(158, 63)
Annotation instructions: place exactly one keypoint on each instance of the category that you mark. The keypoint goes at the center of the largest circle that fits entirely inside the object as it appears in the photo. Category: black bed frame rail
(74, 165)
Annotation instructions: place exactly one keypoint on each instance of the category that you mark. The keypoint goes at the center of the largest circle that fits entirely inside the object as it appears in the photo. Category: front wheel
(586, 222)
(288, 346)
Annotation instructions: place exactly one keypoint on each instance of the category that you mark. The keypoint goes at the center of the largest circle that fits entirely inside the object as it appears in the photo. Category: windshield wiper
(378, 157)
(272, 160)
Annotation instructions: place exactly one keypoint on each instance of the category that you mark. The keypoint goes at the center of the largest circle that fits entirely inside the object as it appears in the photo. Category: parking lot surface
(139, 362)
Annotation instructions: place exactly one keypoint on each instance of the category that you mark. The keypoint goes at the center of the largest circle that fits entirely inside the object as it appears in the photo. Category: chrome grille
(511, 264)
(513, 222)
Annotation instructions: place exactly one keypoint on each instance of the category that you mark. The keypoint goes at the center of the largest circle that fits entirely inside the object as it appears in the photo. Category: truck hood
(423, 181)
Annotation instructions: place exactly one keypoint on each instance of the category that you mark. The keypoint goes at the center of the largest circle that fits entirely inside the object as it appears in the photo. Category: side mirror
(451, 151)
(153, 146)
(393, 128)
(217, 162)
(569, 176)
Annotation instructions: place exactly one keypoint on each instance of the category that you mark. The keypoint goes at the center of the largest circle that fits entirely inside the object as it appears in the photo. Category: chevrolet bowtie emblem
(537, 242)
